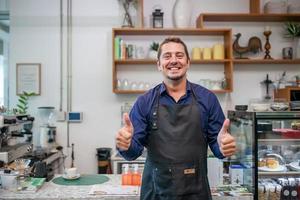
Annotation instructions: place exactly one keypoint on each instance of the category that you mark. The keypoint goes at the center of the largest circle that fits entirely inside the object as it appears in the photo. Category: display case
(268, 150)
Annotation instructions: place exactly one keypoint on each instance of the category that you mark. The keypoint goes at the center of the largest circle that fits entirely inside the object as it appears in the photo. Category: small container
(136, 175)
(126, 175)
(262, 192)
(9, 180)
(241, 107)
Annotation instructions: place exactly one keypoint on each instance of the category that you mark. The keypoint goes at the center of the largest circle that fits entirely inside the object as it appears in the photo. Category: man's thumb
(126, 121)
(225, 126)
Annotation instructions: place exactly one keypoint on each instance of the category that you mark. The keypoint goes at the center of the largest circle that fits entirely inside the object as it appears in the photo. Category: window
(4, 44)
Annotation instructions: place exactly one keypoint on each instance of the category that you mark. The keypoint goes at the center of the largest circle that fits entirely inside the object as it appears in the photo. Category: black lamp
(158, 18)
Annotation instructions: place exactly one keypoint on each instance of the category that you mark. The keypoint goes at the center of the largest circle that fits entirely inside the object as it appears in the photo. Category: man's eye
(166, 56)
(180, 55)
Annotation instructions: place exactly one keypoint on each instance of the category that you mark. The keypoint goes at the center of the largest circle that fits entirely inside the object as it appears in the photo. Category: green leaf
(22, 101)
(292, 29)
(21, 107)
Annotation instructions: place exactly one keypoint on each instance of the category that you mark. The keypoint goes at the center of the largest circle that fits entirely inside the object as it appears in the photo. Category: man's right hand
(124, 135)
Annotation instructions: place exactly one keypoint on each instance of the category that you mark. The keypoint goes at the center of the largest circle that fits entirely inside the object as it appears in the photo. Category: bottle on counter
(293, 189)
(136, 175)
(298, 187)
(126, 175)
(285, 191)
(262, 192)
(278, 191)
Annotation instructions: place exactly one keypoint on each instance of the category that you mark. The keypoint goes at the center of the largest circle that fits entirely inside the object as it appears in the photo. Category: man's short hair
(176, 40)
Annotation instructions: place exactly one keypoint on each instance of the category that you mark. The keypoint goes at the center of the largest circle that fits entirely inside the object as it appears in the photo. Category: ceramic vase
(296, 48)
(182, 13)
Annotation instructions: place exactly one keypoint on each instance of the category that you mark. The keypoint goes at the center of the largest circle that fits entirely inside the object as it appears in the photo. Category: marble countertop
(51, 191)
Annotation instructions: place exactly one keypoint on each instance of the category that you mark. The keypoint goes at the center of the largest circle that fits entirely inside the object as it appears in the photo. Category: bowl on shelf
(260, 107)
(279, 106)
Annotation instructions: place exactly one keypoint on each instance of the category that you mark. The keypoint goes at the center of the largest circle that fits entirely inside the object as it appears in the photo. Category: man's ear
(158, 65)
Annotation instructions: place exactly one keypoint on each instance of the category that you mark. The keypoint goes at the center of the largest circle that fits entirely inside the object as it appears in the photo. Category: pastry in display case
(275, 146)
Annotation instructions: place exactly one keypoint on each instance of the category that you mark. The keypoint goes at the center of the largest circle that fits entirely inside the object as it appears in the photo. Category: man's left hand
(226, 141)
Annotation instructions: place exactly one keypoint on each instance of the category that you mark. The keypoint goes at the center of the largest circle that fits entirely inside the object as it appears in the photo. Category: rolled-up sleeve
(138, 119)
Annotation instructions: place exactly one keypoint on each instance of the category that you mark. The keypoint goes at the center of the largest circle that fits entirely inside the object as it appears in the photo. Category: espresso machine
(15, 136)
(47, 130)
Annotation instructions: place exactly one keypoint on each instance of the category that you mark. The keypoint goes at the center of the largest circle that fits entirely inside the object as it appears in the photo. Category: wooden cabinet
(289, 93)
(224, 33)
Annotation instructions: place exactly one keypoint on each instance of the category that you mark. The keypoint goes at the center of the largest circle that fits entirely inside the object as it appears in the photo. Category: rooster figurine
(254, 45)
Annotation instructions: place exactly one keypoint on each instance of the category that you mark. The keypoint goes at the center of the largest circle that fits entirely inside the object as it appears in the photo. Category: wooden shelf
(278, 140)
(235, 61)
(262, 61)
(151, 61)
(117, 91)
(288, 173)
(244, 17)
(169, 31)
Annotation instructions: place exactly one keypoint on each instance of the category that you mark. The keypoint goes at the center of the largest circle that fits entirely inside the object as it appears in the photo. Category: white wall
(35, 38)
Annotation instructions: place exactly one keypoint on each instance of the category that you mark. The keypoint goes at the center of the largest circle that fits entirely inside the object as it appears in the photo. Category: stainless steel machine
(15, 137)
(47, 129)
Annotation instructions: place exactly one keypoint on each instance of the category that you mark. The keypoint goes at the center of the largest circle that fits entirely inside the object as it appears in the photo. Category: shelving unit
(262, 61)
(254, 15)
(278, 174)
(277, 140)
(244, 17)
(227, 62)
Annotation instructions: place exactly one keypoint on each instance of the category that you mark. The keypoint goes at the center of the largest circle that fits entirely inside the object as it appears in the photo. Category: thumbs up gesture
(226, 141)
(124, 135)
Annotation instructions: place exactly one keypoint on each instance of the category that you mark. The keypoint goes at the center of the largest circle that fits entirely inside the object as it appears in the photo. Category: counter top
(50, 191)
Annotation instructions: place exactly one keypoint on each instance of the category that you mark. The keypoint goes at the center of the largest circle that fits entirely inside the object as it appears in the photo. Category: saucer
(71, 177)
(294, 166)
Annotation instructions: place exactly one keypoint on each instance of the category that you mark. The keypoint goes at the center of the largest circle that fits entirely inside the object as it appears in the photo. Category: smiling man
(176, 121)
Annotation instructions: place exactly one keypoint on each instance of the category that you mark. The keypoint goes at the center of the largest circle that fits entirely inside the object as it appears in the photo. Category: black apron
(176, 165)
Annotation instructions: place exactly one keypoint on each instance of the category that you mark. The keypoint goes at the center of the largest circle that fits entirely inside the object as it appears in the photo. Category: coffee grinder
(47, 129)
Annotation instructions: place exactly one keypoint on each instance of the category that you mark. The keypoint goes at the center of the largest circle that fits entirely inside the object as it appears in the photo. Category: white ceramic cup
(71, 172)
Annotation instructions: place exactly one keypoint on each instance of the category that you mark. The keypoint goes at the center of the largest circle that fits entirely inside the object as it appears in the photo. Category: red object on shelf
(288, 133)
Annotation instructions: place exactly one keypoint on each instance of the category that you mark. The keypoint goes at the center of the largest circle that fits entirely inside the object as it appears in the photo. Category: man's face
(173, 61)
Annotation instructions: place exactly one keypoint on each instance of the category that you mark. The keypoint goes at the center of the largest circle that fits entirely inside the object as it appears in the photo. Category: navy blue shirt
(211, 116)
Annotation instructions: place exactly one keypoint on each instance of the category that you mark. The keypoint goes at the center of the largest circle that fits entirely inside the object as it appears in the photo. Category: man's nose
(173, 59)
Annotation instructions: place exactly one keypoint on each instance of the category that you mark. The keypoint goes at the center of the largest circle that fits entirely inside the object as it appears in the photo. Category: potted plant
(23, 102)
(153, 50)
(292, 30)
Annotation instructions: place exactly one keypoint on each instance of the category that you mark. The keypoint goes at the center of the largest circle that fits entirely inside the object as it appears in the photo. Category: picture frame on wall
(28, 78)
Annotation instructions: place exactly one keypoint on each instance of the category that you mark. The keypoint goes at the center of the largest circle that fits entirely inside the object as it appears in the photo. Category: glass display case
(268, 150)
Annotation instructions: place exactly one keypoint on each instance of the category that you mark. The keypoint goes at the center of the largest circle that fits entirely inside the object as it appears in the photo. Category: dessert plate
(280, 168)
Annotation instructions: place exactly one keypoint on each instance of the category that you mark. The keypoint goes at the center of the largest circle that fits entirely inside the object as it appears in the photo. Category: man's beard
(176, 78)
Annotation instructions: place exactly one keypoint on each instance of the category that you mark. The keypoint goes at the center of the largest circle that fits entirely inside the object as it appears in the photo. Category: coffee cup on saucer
(71, 172)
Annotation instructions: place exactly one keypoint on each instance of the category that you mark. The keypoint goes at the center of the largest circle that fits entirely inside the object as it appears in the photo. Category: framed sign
(28, 78)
